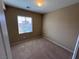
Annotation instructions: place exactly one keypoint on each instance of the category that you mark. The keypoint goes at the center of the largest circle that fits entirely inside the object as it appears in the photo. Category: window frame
(18, 24)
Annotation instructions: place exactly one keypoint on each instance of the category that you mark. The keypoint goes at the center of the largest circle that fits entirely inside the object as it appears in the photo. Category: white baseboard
(58, 44)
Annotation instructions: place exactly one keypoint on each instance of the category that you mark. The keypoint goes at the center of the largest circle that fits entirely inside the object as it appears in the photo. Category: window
(24, 24)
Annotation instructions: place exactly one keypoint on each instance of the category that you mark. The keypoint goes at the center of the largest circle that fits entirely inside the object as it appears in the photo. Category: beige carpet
(39, 49)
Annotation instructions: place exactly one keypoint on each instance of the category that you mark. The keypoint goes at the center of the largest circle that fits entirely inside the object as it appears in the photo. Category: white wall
(5, 37)
(62, 26)
(5, 52)
(2, 49)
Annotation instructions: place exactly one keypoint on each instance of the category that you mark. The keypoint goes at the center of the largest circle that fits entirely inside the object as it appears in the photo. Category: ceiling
(49, 5)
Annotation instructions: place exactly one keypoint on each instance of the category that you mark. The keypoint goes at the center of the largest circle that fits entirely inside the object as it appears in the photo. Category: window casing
(24, 24)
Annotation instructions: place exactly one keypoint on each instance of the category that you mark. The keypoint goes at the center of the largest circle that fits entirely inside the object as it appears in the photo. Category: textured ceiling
(49, 5)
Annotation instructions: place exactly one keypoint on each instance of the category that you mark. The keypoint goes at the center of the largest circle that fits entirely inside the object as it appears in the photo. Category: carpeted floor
(39, 49)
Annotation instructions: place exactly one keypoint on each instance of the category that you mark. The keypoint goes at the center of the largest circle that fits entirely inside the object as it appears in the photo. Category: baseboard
(58, 44)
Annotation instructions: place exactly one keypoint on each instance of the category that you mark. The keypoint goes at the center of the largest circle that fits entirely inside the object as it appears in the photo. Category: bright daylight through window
(24, 24)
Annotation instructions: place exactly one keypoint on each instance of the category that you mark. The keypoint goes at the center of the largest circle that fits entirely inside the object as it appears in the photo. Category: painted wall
(2, 49)
(62, 26)
(5, 51)
(11, 15)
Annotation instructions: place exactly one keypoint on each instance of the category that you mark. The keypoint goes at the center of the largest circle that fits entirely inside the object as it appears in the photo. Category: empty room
(39, 29)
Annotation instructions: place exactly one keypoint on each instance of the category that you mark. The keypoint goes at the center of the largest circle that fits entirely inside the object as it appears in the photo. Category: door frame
(4, 38)
(2, 48)
(76, 49)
